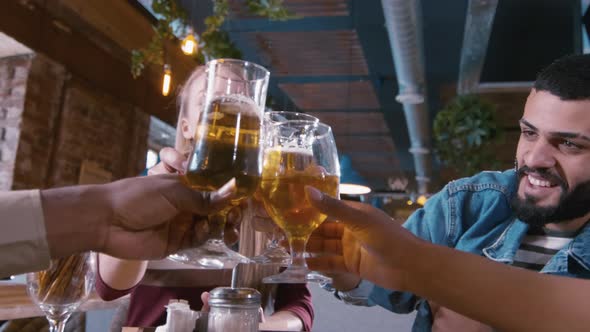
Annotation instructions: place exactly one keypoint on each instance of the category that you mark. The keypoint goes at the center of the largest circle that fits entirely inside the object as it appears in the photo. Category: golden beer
(227, 146)
(285, 174)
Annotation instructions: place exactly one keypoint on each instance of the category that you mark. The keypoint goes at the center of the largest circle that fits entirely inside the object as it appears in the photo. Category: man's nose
(540, 155)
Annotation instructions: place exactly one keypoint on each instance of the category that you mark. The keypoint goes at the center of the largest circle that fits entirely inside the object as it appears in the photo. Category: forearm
(344, 281)
(282, 321)
(75, 218)
(120, 274)
(508, 298)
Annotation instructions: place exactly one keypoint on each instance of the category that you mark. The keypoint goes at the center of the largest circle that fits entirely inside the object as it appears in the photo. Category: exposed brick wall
(13, 82)
(39, 123)
(67, 121)
(98, 128)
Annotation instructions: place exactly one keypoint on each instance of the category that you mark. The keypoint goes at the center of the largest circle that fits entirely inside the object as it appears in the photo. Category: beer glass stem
(217, 225)
(298, 252)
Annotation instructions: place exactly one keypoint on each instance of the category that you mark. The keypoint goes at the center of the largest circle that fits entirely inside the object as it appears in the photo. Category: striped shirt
(539, 245)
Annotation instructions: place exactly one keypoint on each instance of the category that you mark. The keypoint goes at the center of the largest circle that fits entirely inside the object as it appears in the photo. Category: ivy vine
(214, 41)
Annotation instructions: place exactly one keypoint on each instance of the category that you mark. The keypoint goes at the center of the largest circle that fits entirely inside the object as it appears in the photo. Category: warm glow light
(421, 200)
(353, 189)
(189, 44)
(167, 80)
(409, 202)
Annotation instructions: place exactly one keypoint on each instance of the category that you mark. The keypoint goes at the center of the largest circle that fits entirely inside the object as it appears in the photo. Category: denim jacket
(474, 215)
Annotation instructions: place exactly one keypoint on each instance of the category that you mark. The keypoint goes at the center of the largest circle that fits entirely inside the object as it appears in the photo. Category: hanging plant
(273, 9)
(215, 42)
(170, 15)
(465, 132)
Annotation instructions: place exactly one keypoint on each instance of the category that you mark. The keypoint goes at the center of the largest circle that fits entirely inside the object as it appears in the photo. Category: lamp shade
(351, 182)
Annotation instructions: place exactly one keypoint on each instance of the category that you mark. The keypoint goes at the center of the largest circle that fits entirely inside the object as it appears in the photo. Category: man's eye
(570, 145)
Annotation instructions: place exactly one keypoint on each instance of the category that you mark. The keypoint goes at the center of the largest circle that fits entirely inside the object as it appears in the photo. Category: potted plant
(465, 132)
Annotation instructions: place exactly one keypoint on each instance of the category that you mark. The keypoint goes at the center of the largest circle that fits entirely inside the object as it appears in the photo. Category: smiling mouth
(540, 182)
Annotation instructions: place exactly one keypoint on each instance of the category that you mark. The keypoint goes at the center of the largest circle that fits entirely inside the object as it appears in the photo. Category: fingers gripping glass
(298, 153)
(227, 145)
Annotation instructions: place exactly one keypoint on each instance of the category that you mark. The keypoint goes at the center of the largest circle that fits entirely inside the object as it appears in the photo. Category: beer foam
(240, 103)
(293, 150)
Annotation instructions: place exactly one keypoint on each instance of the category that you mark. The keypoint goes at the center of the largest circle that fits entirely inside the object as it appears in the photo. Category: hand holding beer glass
(297, 153)
(227, 145)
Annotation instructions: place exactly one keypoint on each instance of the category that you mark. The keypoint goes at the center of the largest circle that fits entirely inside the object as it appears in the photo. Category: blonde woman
(153, 283)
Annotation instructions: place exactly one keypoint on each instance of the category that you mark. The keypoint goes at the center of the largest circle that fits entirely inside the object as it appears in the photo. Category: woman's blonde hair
(190, 99)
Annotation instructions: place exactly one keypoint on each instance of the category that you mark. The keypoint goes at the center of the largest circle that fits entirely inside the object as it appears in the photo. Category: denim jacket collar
(579, 248)
(505, 247)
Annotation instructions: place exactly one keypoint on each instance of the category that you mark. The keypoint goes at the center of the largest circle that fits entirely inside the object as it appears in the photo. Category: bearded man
(534, 216)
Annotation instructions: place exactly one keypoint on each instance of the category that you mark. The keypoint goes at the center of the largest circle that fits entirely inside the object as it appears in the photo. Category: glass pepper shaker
(233, 310)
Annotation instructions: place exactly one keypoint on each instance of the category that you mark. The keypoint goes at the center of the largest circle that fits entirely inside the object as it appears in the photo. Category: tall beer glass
(298, 153)
(227, 145)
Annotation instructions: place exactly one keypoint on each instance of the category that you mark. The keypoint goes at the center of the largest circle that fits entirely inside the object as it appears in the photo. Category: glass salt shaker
(233, 310)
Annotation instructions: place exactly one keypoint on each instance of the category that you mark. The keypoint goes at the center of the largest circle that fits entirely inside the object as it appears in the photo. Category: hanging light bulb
(166, 80)
(421, 200)
(189, 43)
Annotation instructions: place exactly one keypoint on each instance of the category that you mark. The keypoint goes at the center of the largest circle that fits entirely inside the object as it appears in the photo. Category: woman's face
(194, 106)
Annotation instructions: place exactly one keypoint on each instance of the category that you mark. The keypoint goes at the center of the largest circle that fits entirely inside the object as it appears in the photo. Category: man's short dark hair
(567, 78)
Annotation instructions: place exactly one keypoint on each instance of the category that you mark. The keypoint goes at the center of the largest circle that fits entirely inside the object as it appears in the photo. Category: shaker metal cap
(230, 296)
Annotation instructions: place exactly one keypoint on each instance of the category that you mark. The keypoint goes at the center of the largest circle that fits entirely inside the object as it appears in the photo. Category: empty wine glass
(60, 289)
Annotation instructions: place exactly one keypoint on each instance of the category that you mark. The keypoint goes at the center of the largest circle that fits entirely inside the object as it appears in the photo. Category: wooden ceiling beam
(97, 50)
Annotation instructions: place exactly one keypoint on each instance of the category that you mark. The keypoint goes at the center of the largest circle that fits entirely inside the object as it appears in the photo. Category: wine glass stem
(57, 325)
(297, 245)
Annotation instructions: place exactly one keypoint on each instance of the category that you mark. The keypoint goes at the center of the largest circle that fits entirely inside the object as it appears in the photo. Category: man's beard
(572, 203)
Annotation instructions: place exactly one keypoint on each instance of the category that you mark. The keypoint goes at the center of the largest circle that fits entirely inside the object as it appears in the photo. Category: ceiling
(335, 62)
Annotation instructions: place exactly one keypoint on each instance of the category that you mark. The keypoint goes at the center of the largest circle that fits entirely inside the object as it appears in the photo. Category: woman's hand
(171, 162)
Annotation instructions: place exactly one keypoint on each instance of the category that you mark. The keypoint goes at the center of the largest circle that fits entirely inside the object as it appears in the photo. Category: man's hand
(367, 242)
(157, 215)
(174, 162)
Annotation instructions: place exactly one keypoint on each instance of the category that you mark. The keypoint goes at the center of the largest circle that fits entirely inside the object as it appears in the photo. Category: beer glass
(298, 153)
(227, 145)
(274, 253)
(60, 289)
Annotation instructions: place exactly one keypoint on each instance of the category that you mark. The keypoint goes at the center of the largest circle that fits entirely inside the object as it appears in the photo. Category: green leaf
(463, 132)
(217, 43)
